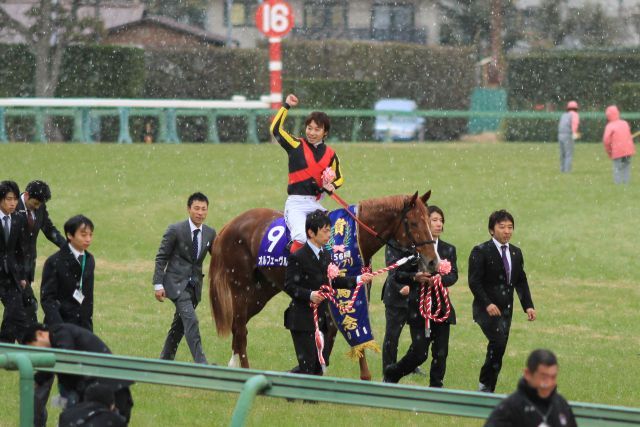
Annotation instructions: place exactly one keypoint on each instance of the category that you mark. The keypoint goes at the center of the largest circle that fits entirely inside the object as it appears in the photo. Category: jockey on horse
(308, 159)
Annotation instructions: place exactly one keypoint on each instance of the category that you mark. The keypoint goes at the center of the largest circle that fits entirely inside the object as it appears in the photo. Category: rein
(405, 221)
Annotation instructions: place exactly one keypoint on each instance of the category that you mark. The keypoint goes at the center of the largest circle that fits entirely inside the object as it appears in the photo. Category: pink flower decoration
(338, 248)
(333, 271)
(328, 176)
(444, 267)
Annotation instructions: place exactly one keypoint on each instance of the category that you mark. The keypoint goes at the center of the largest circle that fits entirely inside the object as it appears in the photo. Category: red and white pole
(275, 72)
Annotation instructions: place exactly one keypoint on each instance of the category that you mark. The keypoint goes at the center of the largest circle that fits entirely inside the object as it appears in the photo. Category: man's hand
(404, 291)
(292, 100)
(160, 295)
(366, 277)
(316, 297)
(23, 284)
(493, 310)
(531, 314)
(421, 277)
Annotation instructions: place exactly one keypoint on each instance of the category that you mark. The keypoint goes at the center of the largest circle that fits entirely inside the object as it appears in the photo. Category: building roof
(172, 25)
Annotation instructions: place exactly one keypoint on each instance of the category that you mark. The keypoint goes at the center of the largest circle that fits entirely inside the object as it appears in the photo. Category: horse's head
(413, 231)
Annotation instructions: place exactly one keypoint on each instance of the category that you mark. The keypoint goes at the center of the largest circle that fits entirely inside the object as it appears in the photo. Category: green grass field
(579, 234)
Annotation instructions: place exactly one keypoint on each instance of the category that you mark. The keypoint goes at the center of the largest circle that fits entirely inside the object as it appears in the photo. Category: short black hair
(39, 190)
(321, 119)
(97, 392)
(434, 208)
(541, 357)
(197, 196)
(7, 187)
(499, 216)
(75, 222)
(30, 333)
(316, 220)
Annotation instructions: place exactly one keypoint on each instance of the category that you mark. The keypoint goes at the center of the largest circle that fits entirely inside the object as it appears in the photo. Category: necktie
(30, 220)
(80, 258)
(7, 230)
(320, 253)
(505, 261)
(194, 244)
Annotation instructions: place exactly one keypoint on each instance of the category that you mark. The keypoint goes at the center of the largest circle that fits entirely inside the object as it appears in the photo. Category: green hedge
(327, 94)
(17, 71)
(434, 77)
(214, 73)
(537, 130)
(87, 71)
(627, 96)
(557, 77)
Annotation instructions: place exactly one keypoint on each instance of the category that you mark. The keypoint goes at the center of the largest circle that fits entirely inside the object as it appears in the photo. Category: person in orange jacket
(618, 143)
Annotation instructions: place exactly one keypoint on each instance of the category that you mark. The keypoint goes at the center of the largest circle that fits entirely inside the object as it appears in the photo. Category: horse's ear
(412, 202)
(425, 197)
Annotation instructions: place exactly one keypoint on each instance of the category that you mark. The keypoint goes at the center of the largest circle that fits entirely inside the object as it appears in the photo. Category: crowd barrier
(83, 110)
(249, 383)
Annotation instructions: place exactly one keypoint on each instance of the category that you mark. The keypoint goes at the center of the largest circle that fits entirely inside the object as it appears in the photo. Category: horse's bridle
(414, 244)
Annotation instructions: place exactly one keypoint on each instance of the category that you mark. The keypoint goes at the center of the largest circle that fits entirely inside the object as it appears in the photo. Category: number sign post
(274, 19)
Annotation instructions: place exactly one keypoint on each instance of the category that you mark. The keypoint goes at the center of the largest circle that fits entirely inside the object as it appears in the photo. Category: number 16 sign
(274, 19)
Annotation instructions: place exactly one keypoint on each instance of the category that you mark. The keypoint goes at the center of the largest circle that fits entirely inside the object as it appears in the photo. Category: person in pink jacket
(618, 144)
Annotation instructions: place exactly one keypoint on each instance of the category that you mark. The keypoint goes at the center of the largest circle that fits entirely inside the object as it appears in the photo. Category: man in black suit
(496, 268)
(32, 206)
(178, 275)
(97, 410)
(306, 273)
(405, 282)
(66, 336)
(12, 276)
(66, 293)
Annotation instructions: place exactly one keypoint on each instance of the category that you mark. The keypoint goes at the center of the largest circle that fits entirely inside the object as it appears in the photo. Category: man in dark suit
(12, 276)
(496, 268)
(408, 279)
(178, 275)
(97, 410)
(32, 206)
(66, 336)
(306, 273)
(66, 293)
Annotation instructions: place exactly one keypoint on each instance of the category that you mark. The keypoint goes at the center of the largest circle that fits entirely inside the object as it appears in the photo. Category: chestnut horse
(238, 289)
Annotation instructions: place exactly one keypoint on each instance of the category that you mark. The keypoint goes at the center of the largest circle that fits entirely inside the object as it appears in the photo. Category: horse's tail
(220, 297)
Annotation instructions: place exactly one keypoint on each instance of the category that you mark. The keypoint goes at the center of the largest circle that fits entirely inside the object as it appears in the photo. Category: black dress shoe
(392, 373)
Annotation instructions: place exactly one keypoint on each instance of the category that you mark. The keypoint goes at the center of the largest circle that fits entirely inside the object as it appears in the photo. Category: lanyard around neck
(84, 260)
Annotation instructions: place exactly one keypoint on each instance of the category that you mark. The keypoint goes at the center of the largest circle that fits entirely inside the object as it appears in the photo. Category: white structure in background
(415, 21)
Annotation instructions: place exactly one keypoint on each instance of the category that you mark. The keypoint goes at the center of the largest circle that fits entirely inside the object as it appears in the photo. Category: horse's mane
(385, 204)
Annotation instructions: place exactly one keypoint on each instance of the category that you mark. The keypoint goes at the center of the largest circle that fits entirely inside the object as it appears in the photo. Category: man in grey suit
(178, 275)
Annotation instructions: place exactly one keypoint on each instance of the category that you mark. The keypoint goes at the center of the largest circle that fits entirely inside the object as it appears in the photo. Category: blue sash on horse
(354, 325)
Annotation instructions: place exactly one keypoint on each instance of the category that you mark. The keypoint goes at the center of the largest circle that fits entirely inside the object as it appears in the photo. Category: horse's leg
(365, 374)
(239, 357)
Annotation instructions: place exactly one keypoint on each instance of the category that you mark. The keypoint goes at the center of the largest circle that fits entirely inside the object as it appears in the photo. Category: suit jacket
(11, 252)
(488, 279)
(30, 236)
(175, 266)
(66, 336)
(306, 273)
(60, 279)
(403, 276)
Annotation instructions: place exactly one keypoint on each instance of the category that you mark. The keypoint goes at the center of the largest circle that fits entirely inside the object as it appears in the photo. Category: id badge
(77, 294)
